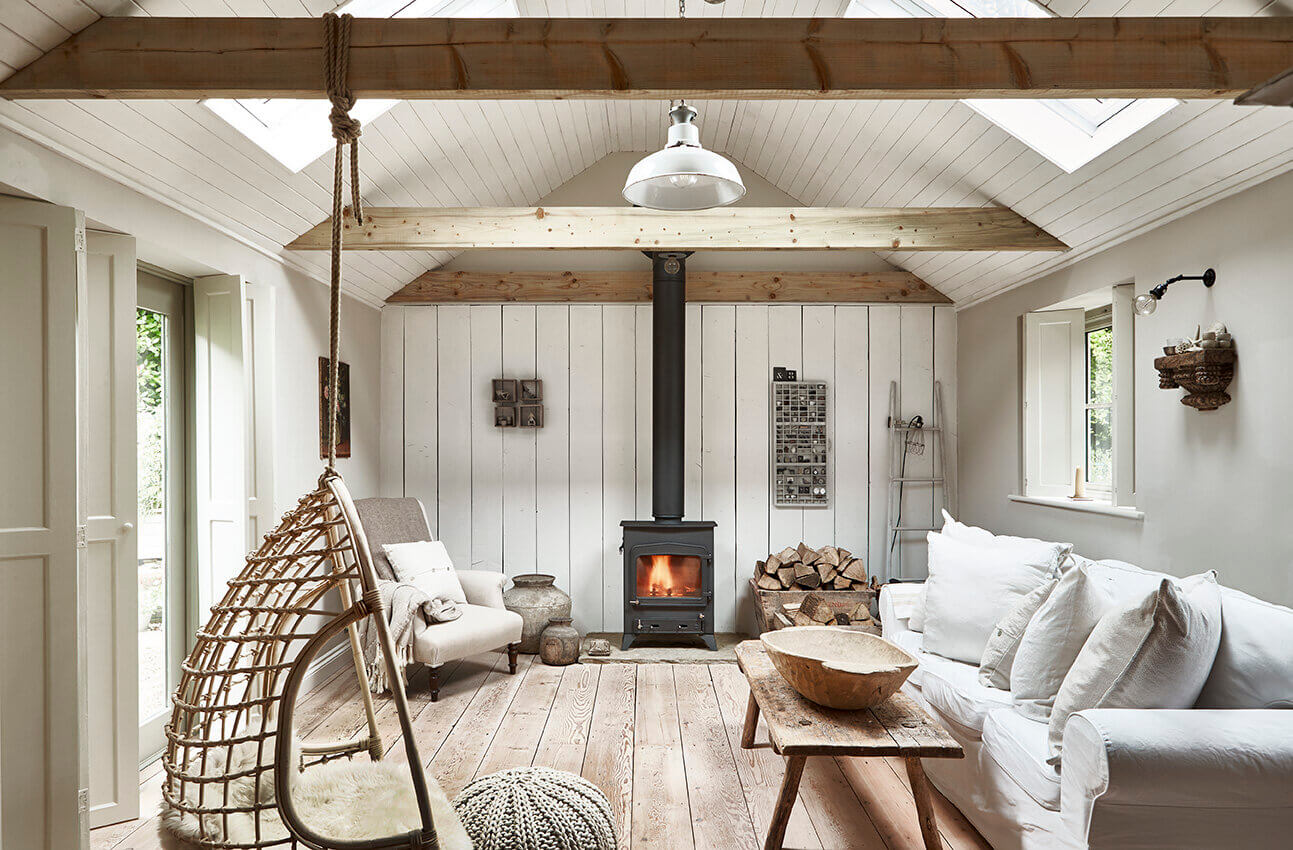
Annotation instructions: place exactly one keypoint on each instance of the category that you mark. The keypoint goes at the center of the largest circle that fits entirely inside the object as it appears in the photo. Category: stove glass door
(669, 577)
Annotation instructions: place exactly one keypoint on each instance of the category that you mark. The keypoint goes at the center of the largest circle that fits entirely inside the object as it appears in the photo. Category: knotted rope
(346, 130)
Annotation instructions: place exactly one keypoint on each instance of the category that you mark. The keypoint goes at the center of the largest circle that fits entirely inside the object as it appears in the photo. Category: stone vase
(559, 644)
(537, 601)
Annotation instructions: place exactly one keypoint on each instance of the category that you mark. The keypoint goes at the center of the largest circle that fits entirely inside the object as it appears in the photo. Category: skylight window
(1070, 132)
(297, 132)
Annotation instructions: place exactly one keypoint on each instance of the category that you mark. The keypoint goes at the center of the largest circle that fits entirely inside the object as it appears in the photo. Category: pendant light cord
(346, 130)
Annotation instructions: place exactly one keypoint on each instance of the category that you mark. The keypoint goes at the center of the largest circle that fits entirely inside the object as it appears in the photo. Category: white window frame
(1055, 403)
(1096, 320)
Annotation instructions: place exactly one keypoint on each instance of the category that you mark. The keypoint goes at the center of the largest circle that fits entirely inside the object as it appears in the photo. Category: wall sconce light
(1147, 303)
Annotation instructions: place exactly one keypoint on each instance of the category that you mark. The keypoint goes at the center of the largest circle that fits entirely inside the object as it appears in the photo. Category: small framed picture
(504, 416)
(504, 390)
(531, 391)
(343, 409)
(531, 416)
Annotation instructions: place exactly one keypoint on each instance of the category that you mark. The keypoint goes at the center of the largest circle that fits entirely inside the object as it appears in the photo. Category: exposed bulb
(683, 181)
(1145, 304)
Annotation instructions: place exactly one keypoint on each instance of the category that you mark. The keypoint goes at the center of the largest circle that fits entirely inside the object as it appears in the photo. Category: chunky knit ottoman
(536, 808)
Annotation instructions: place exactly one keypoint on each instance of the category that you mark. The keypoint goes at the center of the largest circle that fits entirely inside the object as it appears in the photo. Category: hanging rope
(346, 130)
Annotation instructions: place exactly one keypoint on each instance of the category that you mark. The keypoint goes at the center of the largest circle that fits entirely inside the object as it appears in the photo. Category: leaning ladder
(900, 431)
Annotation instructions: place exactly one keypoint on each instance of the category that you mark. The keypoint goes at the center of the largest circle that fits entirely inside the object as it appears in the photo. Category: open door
(43, 771)
(108, 480)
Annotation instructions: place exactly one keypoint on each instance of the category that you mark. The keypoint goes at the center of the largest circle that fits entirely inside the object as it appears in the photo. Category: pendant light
(683, 176)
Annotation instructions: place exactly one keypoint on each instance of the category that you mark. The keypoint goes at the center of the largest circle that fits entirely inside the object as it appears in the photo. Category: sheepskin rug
(343, 799)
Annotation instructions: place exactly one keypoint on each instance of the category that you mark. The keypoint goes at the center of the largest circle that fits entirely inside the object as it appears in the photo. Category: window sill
(1103, 508)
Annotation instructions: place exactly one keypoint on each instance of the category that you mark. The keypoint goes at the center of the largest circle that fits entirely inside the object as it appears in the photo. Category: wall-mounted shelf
(1204, 375)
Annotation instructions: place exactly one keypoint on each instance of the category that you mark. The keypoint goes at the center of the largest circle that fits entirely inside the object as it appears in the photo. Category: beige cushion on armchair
(479, 629)
(483, 587)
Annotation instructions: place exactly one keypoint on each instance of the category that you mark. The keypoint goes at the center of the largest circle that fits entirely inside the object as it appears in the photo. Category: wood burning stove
(668, 563)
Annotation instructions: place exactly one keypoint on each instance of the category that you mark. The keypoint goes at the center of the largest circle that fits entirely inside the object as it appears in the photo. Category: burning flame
(667, 575)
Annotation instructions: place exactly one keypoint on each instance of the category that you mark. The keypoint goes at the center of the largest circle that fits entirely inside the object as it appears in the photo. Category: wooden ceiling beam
(722, 229)
(451, 287)
(738, 58)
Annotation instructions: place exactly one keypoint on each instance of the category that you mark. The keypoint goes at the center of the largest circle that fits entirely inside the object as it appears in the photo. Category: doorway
(161, 337)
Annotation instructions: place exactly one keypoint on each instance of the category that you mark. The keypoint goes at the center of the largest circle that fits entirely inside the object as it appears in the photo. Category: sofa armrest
(483, 587)
(1229, 770)
(896, 603)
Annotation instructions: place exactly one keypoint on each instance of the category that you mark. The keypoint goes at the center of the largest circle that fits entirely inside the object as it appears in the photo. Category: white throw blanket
(409, 610)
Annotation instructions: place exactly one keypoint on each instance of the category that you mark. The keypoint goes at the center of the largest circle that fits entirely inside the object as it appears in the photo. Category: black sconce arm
(1209, 277)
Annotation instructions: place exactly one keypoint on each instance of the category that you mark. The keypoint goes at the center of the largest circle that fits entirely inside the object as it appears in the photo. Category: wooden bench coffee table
(798, 728)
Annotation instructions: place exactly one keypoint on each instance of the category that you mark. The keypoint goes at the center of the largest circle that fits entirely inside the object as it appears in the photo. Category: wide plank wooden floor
(662, 740)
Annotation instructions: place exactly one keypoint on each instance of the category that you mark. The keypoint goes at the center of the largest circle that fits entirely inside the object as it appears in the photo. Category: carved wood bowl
(838, 668)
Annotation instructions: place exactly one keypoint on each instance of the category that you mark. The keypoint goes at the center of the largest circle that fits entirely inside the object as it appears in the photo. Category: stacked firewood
(815, 610)
(828, 568)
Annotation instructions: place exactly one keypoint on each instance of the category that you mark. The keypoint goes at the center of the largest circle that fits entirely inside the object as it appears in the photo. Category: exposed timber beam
(741, 58)
(723, 229)
(441, 287)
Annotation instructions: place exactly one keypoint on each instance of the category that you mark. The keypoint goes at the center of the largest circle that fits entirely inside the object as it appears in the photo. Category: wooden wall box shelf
(1204, 375)
(768, 604)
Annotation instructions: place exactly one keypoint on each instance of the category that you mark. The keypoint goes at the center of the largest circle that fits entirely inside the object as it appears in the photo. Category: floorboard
(662, 741)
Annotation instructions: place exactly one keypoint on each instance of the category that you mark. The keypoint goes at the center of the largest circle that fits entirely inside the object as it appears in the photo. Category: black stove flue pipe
(668, 381)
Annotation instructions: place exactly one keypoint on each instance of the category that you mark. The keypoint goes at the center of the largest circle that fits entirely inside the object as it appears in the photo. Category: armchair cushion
(479, 629)
(483, 587)
(391, 521)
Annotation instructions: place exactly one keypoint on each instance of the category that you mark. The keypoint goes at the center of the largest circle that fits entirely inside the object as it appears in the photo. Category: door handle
(127, 527)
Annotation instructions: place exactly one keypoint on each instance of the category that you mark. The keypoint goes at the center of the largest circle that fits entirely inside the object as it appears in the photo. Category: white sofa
(1216, 776)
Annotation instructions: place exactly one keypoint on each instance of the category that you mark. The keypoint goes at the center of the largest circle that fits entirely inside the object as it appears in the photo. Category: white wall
(186, 246)
(552, 499)
(1213, 485)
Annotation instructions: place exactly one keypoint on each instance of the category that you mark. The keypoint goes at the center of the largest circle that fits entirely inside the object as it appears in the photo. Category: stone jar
(559, 644)
(537, 601)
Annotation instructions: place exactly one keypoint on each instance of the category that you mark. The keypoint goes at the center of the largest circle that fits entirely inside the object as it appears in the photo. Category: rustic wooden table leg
(751, 724)
(785, 802)
(924, 805)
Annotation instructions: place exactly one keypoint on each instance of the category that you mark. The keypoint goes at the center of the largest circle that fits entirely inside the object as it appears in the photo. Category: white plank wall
(552, 499)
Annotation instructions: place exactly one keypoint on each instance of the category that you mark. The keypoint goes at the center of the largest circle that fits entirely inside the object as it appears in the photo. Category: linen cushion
(426, 564)
(970, 588)
(1155, 652)
(479, 629)
(1018, 746)
(999, 654)
(1026, 547)
(387, 521)
(1056, 633)
(1254, 665)
(954, 689)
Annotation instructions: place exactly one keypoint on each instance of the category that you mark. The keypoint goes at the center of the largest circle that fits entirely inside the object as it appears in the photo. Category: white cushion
(426, 564)
(1018, 746)
(999, 654)
(1153, 653)
(1029, 548)
(1254, 665)
(954, 689)
(970, 587)
(479, 629)
(1058, 630)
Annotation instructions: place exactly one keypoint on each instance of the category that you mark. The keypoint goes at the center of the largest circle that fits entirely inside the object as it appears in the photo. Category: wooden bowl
(838, 668)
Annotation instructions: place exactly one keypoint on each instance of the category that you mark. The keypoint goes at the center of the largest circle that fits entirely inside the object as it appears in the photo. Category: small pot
(559, 644)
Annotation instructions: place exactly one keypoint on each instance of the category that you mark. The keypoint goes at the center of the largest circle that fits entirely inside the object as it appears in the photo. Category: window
(297, 132)
(1077, 398)
(1070, 133)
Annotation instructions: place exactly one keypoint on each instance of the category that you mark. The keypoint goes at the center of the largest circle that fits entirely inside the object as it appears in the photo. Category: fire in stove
(668, 576)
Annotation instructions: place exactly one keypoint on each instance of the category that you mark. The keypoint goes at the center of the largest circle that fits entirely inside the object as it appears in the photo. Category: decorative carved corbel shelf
(1204, 375)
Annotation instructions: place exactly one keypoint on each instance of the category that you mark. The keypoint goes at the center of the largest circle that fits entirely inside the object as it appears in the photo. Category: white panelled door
(220, 437)
(108, 480)
(258, 362)
(1053, 391)
(43, 772)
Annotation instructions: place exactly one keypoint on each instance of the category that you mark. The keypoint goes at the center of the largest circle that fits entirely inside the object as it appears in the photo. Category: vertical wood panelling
(421, 402)
(852, 421)
(917, 400)
(718, 456)
(520, 501)
(752, 455)
(619, 447)
(552, 443)
(785, 348)
(945, 374)
(586, 465)
(393, 398)
(819, 365)
(453, 491)
(487, 441)
(884, 361)
(551, 499)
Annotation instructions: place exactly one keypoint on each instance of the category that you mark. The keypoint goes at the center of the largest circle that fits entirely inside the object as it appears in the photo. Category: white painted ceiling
(826, 153)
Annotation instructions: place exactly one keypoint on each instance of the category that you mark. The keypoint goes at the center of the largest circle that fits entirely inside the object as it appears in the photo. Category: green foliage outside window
(1099, 425)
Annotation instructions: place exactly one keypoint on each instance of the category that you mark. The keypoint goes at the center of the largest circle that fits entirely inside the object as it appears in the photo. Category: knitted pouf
(536, 808)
